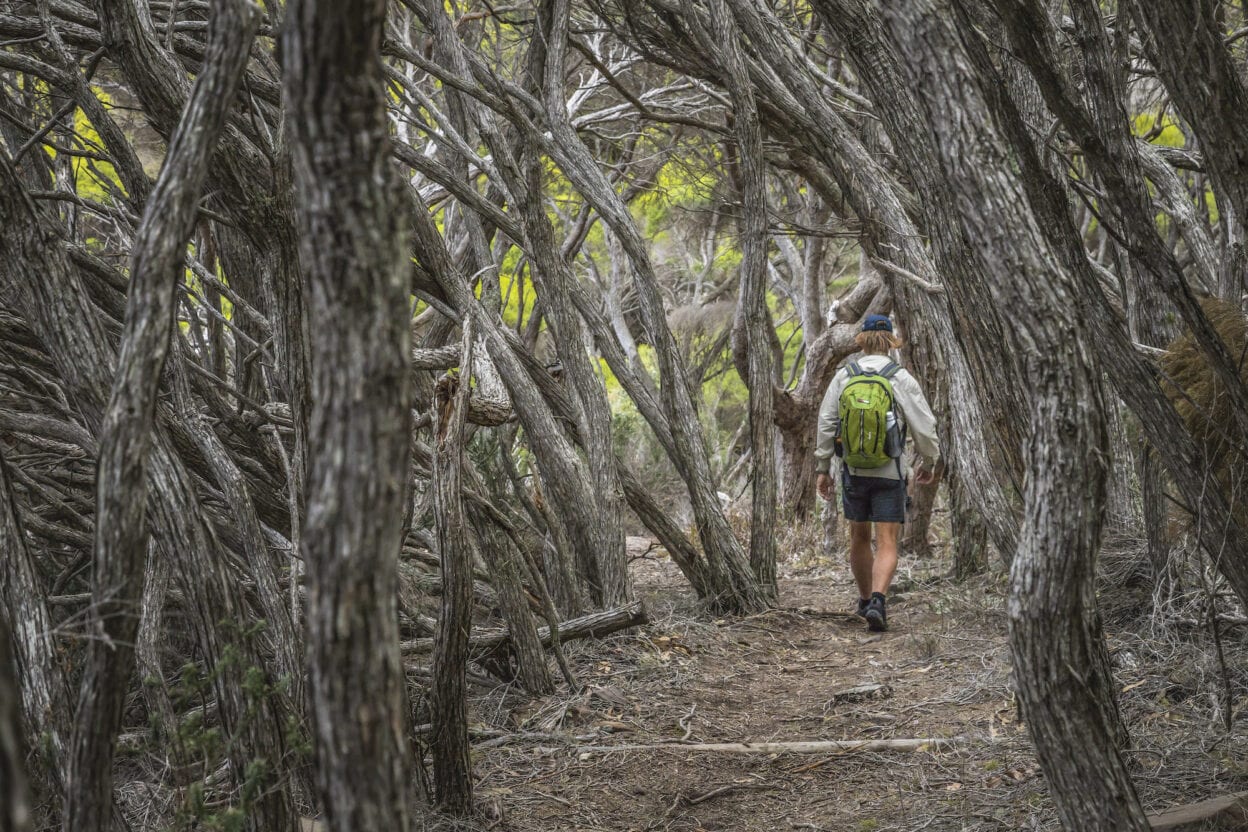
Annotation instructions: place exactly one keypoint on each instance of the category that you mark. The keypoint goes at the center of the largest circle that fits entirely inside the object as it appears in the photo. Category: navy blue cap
(877, 323)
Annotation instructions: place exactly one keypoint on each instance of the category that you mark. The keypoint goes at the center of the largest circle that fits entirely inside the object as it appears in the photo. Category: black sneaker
(863, 603)
(877, 618)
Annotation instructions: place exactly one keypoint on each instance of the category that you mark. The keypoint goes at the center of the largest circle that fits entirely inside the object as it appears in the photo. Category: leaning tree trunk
(354, 253)
(126, 433)
(1193, 58)
(69, 327)
(610, 552)
(587, 506)
(734, 585)
(1103, 133)
(1137, 381)
(1062, 668)
(1146, 305)
(889, 233)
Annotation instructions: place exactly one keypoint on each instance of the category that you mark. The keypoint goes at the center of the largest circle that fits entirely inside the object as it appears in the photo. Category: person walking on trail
(870, 406)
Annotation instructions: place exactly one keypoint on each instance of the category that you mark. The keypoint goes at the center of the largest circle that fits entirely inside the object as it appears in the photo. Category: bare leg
(861, 557)
(885, 565)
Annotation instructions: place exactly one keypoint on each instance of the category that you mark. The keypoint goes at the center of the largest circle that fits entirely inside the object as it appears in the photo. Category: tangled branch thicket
(345, 347)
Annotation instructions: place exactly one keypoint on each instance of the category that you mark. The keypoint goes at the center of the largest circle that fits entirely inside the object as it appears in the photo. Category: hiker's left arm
(919, 419)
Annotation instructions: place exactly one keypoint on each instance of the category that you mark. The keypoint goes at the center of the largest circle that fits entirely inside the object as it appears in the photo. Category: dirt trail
(943, 671)
(774, 676)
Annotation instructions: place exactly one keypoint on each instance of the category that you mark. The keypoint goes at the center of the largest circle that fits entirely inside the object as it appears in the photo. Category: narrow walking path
(808, 673)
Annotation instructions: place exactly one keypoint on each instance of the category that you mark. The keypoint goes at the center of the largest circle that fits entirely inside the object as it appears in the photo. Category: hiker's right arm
(829, 413)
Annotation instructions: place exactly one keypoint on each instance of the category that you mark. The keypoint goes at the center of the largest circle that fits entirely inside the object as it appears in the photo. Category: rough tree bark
(353, 248)
(970, 538)
(505, 576)
(126, 432)
(452, 758)
(797, 110)
(574, 502)
(1146, 305)
(729, 570)
(752, 324)
(44, 693)
(716, 582)
(70, 329)
(1114, 157)
(610, 551)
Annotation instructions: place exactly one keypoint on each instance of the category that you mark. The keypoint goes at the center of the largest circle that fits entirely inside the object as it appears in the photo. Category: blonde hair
(877, 341)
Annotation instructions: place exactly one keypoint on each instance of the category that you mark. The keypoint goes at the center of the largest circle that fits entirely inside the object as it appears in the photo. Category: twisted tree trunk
(354, 253)
(1136, 379)
(126, 428)
(1187, 45)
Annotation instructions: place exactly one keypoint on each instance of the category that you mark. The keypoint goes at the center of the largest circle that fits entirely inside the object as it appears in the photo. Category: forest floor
(942, 669)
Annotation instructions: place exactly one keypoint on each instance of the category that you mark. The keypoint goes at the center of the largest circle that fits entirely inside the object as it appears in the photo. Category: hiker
(870, 406)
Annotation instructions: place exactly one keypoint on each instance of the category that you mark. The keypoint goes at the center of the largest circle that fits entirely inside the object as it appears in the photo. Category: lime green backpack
(866, 404)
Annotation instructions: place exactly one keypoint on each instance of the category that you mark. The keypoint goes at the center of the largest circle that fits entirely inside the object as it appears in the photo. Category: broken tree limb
(594, 625)
(808, 747)
(1226, 812)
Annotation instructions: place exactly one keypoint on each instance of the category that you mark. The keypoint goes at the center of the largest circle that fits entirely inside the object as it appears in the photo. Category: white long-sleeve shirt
(912, 409)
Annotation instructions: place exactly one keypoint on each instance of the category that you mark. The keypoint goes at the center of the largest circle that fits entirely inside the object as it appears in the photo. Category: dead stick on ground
(722, 790)
(812, 747)
(683, 801)
(686, 723)
(1228, 808)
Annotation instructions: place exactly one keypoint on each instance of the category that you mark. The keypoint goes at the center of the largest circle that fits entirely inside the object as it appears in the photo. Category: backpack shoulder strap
(889, 370)
(854, 369)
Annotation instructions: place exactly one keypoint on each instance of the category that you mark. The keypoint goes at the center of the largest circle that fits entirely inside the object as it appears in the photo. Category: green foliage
(94, 179)
(685, 183)
(1168, 133)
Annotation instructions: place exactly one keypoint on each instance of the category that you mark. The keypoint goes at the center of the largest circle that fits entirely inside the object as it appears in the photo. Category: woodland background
(351, 352)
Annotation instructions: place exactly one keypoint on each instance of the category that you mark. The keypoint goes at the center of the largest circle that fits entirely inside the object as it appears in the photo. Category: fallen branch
(810, 747)
(594, 625)
(1226, 812)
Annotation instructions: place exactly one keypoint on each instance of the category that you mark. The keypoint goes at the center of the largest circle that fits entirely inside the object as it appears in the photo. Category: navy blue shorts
(873, 499)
